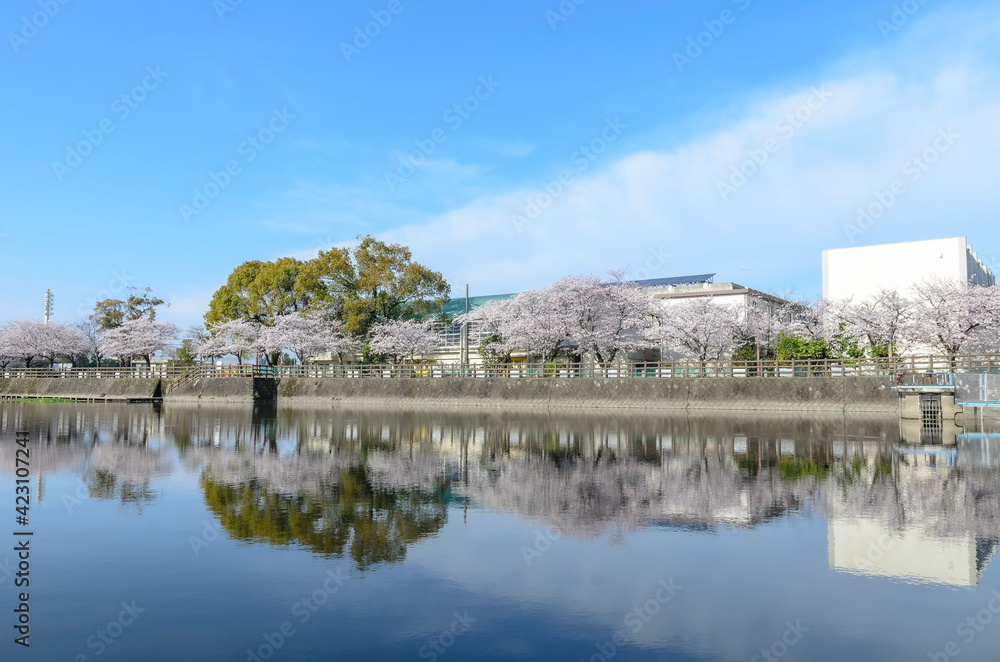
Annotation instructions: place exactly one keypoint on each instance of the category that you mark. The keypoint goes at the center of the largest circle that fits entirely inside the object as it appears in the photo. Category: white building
(675, 289)
(860, 272)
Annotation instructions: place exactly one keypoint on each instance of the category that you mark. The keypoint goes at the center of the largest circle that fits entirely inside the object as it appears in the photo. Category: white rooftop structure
(859, 272)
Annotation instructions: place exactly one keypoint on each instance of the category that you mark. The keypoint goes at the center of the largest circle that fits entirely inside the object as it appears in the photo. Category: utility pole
(49, 296)
(465, 332)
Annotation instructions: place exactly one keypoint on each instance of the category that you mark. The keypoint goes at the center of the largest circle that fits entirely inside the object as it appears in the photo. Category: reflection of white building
(862, 271)
(867, 547)
(920, 526)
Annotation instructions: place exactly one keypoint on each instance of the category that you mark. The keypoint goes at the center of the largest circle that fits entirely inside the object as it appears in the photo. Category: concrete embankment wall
(80, 389)
(230, 389)
(861, 394)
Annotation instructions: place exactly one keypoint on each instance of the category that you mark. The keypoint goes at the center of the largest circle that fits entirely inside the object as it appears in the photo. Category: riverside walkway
(912, 371)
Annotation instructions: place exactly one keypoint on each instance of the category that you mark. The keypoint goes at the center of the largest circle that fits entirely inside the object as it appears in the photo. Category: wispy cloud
(882, 108)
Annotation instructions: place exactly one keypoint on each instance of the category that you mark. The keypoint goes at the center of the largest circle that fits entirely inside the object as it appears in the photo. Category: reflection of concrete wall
(914, 432)
(867, 547)
(764, 394)
(978, 451)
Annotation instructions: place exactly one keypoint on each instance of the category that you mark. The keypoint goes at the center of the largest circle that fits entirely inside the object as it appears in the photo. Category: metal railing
(916, 370)
(133, 372)
(978, 390)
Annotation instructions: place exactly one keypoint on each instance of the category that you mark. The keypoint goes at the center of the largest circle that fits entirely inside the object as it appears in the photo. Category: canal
(178, 532)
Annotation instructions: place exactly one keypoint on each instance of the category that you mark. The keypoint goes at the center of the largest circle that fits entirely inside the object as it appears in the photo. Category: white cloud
(884, 108)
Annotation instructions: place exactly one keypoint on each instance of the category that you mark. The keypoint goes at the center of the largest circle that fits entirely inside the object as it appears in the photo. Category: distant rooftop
(676, 280)
(456, 307)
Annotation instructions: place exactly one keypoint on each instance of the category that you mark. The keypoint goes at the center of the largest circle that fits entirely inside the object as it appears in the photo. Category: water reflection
(345, 515)
(365, 484)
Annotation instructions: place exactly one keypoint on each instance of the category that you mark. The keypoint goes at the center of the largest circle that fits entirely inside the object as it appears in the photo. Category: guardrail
(978, 390)
(911, 370)
(133, 372)
(917, 370)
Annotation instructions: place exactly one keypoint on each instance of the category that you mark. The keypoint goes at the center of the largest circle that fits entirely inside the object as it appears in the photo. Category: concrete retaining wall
(214, 389)
(80, 389)
(861, 394)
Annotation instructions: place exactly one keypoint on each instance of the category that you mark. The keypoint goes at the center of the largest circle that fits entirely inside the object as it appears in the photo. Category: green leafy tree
(186, 353)
(796, 348)
(112, 313)
(375, 282)
(260, 291)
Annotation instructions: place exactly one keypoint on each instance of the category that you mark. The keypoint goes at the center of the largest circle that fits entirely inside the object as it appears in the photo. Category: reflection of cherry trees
(125, 473)
(367, 484)
(401, 471)
(944, 503)
(586, 498)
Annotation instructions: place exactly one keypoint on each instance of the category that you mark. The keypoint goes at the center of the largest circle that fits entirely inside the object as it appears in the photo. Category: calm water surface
(187, 533)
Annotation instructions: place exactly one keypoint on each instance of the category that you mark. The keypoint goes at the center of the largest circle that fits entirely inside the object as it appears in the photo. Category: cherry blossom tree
(404, 338)
(91, 331)
(702, 327)
(812, 320)
(61, 340)
(883, 322)
(541, 322)
(606, 319)
(140, 337)
(492, 319)
(28, 340)
(955, 317)
(22, 339)
(239, 338)
(579, 315)
(307, 335)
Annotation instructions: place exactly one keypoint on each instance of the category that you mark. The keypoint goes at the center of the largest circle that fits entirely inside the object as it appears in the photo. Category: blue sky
(603, 136)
